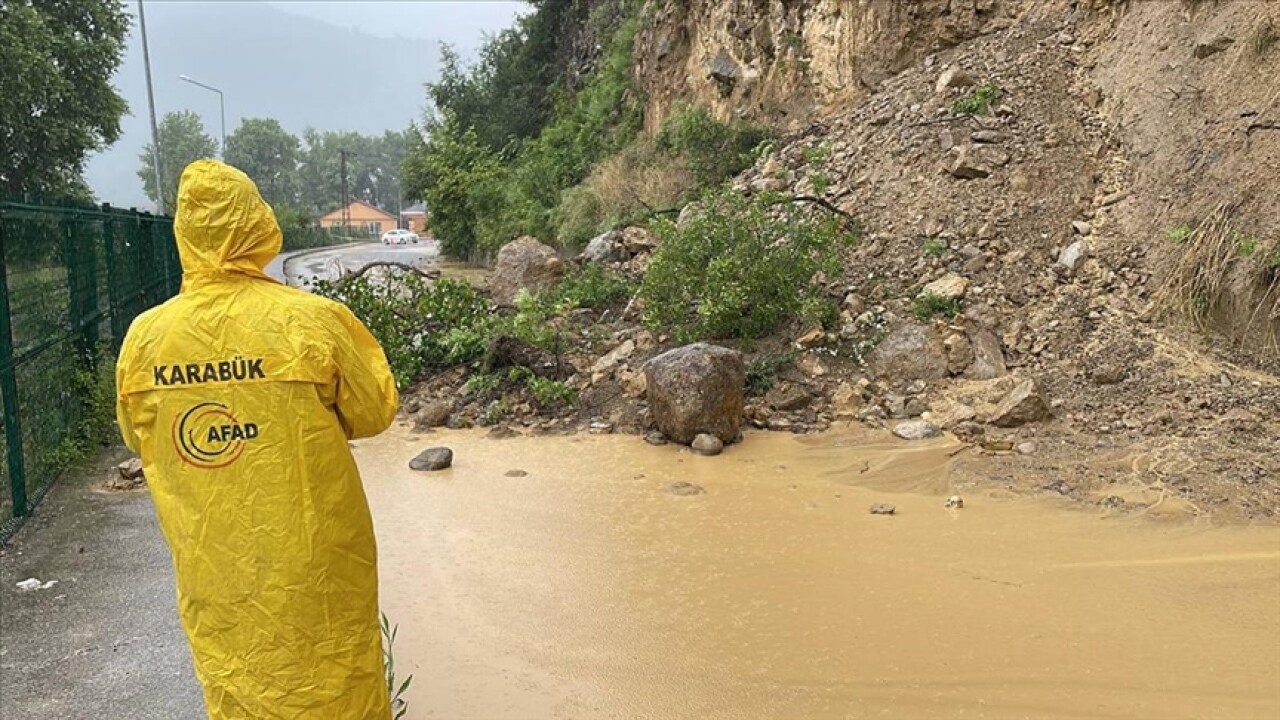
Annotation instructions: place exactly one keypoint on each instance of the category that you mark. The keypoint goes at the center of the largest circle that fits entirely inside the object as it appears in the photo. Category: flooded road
(558, 578)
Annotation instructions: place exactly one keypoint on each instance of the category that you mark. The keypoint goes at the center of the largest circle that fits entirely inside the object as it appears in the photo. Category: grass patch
(1179, 234)
(927, 306)
(979, 101)
(763, 370)
(935, 247)
(1263, 38)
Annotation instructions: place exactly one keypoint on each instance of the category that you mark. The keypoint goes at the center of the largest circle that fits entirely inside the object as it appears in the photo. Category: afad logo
(210, 436)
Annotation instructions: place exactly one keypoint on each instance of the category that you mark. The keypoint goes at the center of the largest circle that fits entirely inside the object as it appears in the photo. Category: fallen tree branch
(425, 274)
(812, 200)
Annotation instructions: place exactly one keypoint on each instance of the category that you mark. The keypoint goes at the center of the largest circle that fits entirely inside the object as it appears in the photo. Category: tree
(182, 142)
(373, 169)
(56, 100)
(268, 155)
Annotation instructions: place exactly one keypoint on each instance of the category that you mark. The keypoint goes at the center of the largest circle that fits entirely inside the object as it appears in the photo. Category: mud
(584, 589)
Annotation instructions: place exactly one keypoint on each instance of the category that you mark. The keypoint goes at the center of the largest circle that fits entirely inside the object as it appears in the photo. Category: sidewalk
(104, 643)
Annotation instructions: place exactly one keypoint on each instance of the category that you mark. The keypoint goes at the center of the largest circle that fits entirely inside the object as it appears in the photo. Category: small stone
(655, 438)
(955, 501)
(130, 469)
(949, 286)
(600, 427)
(1109, 374)
(1113, 198)
(787, 397)
(1071, 256)
(1082, 228)
(1211, 47)
(996, 444)
(916, 430)
(986, 137)
(706, 444)
(811, 365)
(431, 459)
(433, 414)
(515, 473)
(1026, 448)
(685, 489)
(615, 356)
(916, 407)
(883, 509)
(811, 338)
(501, 432)
(847, 401)
(954, 76)
(966, 165)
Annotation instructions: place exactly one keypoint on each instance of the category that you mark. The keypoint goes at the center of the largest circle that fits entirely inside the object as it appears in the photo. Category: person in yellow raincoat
(240, 395)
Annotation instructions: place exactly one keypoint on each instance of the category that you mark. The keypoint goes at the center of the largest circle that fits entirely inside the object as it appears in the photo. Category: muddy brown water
(585, 590)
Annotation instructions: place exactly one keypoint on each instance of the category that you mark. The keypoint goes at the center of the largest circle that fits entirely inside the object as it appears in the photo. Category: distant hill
(269, 63)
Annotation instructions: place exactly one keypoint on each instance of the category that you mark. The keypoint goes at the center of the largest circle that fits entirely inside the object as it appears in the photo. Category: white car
(399, 237)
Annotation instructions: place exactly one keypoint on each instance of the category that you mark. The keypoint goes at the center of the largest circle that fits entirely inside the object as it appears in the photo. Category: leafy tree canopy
(182, 142)
(56, 100)
(269, 155)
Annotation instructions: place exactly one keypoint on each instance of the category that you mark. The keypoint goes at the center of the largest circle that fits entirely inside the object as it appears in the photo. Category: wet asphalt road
(297, 269)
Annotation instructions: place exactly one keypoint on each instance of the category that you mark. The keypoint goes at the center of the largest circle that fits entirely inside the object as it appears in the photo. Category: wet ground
(559, 578)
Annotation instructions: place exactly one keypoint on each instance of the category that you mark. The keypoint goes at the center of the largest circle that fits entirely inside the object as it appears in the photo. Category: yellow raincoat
(240, 395)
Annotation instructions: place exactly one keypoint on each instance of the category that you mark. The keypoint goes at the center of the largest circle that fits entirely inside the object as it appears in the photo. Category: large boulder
(697, 389)
(524, 264)
(605, 248)
(1024, 404)
(912, 352)
(988, 357)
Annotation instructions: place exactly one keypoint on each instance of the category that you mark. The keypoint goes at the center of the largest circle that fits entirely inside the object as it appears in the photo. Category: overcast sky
(405, 18)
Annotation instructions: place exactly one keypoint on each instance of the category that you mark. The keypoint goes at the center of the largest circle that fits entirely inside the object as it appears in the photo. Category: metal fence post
(115, 300)
(9, 386)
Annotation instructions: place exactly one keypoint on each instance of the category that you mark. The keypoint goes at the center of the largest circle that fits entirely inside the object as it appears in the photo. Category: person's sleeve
(367, 399)
(124, 415)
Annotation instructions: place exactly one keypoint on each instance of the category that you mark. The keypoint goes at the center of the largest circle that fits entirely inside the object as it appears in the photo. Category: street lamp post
(222, 109)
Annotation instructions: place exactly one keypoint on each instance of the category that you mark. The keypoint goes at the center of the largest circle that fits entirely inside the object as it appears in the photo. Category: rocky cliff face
(785, 60)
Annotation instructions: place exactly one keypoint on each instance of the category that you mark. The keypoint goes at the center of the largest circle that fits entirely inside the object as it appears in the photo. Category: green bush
(419, 323)
(714, 150)
(590, 286)
(550, 394)
(979, 101)
(740, 268)
(927, 305)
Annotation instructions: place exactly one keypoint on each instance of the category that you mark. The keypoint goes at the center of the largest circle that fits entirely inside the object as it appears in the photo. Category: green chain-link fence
(73, 280)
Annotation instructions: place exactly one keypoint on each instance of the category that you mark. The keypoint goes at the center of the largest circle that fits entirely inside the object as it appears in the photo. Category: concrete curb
(284, 262)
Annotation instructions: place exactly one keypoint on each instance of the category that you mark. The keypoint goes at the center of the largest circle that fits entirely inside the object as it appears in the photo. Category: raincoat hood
(222, 223)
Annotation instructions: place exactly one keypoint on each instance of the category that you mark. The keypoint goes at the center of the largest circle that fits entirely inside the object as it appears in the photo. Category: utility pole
(346, 203)
(151, 102)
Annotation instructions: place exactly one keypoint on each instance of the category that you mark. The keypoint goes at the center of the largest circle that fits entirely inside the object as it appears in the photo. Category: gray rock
(959, 353)
(130, 469)
(1082, 228)
(916, 407)
(986, 137)
(1212, 46)
(916, 430)
(604, 248)
(432, 415)
(1109, 374)
(787, 396)
(895, 406)
(696, 389)
(615, 356)
(655, 438)
(705, 444)
(723, 68)
(516, 473)
(966, 163)
(954, 76)
(437, 458)
(685, 489)
(638, 241)
(1026, 448)
(883, 509)
(988, 357)
(1024, 404)
(911, 352)
(524, 264)
(1072, 255)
